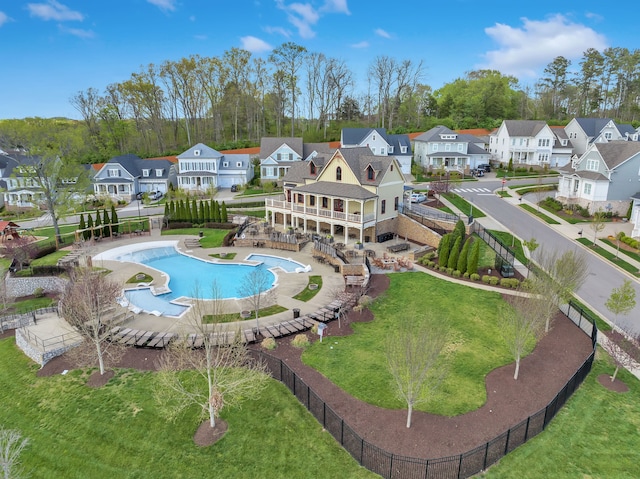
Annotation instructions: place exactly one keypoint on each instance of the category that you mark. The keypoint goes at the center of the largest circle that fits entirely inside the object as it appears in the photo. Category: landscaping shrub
(300, 341)
(38, 293)
(486, 278)
(455, 253)
(474, 258)
(456, 274)
(493, 280)
(449, 271)
(552, 204)
(269, 343)
(510, 283)
(465, 275)
(431, 264)
(444, 248)
(474, 276)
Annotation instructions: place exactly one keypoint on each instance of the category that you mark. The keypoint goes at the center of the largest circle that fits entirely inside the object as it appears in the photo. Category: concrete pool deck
(289, 284)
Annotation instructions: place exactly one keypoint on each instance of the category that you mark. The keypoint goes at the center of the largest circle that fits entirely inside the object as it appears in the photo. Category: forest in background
(234, 100)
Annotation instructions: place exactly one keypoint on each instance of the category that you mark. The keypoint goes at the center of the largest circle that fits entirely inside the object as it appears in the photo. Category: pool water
(286, 264)
(188, 275)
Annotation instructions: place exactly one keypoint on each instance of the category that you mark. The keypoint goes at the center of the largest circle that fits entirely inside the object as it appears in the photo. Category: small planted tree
(464, 256)
(623, 351)
(114, 219)
(621, 300)
(253, 288)
(455, 254)
(87, 305)
(474, 258)
(412, 350)
(11, 446)
(521, 323)
(597, 224)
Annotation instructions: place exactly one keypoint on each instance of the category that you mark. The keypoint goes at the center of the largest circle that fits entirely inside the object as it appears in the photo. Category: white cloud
(304, 16)
(164, 5)
(4, 18)
(77, 32)
(522, 51)
(255, 45)
(278, 30)
(363, 44)
(381, 33)
(53, 10)
(335, 6)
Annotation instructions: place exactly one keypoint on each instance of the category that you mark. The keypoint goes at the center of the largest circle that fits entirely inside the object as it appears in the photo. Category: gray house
(605, 177)
(122, 177)
(584, 131)
(380, 143)
(442, 148)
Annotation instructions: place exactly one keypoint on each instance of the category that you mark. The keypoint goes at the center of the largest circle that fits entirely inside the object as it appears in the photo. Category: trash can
(296, 313)
(201, 234)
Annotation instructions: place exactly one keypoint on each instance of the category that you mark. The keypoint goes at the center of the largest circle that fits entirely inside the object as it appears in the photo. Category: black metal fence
(501, 249)
(460, 466)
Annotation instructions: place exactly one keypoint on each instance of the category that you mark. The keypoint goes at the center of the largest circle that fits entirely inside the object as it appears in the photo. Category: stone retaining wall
(18, 287)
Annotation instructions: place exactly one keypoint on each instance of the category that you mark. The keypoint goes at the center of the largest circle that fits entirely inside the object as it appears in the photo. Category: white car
(418, 198)
(155, 195)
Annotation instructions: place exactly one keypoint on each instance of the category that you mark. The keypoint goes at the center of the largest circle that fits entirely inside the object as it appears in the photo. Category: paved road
(505, 214)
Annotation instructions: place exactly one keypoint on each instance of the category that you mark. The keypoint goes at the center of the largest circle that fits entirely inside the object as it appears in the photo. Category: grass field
(211, 238)
(116, 431)
(356, 362)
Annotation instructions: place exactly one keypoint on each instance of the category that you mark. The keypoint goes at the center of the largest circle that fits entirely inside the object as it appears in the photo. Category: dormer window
(370, 173)
(312, 168)
(145, 173)
(391, 149)
(239, 164)
(159, 171)
(196, 152)
(338, 174)
(225, 164)
(403, 149)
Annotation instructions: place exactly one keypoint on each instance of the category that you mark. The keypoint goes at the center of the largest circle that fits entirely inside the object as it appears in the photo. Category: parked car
(155, 195)
(235, 188)
(418, 198)
(139, 195)
(485, 166)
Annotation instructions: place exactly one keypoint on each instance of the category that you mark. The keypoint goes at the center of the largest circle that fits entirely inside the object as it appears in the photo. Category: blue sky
(52, 49)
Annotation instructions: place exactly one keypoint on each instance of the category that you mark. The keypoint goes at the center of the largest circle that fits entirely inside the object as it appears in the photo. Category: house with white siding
(582, 132)
(380, 143)
(443, 149)
(202, 169)
(526, 142)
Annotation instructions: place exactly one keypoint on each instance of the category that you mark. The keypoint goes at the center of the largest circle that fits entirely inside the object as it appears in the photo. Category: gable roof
(354, 136)
(199, 151)
(300, 171)
(616, 152)
(398, 141)
(592, 126)
(359, 158)
(527, 128)
(134, 165)
(268, 145)
(434, 134)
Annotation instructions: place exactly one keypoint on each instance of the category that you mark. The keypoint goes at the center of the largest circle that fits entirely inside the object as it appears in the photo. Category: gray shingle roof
(203, 151)
(322, 149)
(397, 141)
(268, 145)
(330, 188)
(434, 134)
(526, 128)
(134, 165)
(359, 158)
(616, 152)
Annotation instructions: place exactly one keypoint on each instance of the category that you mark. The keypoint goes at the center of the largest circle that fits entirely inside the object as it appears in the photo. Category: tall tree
(622, 300)
(288, 59)
(554, 85)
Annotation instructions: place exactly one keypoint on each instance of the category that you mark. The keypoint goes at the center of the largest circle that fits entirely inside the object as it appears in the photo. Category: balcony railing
(323, 213)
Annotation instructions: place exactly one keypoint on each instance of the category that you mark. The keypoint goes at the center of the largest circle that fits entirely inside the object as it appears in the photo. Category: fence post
(506, 444)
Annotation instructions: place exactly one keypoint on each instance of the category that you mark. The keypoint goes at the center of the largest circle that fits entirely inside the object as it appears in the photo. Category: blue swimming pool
(286, 264)
(188, 274)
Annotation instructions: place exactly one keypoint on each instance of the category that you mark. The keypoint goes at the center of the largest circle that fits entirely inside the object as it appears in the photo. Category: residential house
(353, 193)
(562, 148)
(526, 142)
(202, 168)
(443, 149)
(277, 155)
(604, 178)
(380, 143)
(122, 177)
(584, 131)
(635, 215)
(21, 189)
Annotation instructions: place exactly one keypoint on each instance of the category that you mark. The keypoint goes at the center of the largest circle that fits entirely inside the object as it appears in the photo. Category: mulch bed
(542, 374)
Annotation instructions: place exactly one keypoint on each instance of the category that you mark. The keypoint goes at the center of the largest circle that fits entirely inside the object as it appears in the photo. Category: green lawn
(306, 294)
(212, 238)
(540, 215)
(463, 205)
(50, 259)
(357, 364)
(630, 254)
(231, 317)
(116, 431)
(32, 304)
(595, 435)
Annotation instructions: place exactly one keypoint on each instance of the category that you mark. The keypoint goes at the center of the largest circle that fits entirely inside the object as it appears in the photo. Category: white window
(159, 171)
(113, 172)
(374, 137)
(460, 147)
(145, 172)
(587, 188)
(373, 149)
(382, 151)
(447, 147)
(196, 152)
(608, 135)
(403, 149)
(543, 157)
(239, 164)
(592, 165)
(434, 147)
(391, 149)
(225, 164)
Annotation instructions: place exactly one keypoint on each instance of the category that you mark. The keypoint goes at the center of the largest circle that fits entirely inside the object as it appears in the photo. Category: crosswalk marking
(472, 190)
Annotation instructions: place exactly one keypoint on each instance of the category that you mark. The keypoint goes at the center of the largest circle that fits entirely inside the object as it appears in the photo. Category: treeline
(236, 99)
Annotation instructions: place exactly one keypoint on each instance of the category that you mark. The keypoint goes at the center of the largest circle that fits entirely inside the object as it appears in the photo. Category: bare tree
(412, 352)
(11, 446)
(622, 300)
(521, 323)
(223, 373)
(619, 236)
(597, 224)
(623, 351)
(288, 58)
(254, 287)
(87, 304)
(6, 300)
(559, 276)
